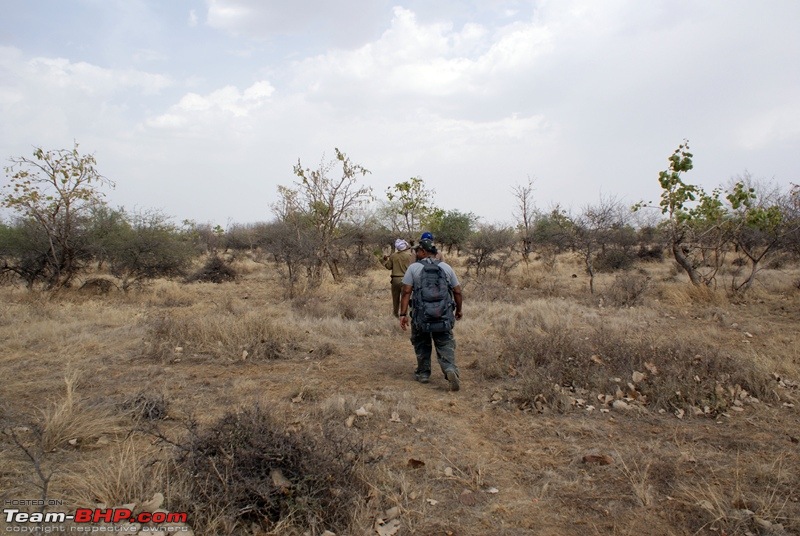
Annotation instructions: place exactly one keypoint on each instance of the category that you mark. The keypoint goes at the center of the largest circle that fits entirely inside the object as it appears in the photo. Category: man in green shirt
(398, 262)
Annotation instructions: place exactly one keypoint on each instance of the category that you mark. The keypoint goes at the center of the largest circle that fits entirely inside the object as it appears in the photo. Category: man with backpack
(428, 236)
(432, 290)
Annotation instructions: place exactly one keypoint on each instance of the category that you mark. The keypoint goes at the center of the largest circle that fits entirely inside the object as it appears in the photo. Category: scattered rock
(468, 498)
(387, 528)
(392, 513)
(620, 405)
(153, 504)
(599, 459)
(279, 480)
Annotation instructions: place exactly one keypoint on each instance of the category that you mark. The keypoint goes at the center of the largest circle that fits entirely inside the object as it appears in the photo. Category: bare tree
(491, 245)
(594, 229)
(525, 213)
(322, 203)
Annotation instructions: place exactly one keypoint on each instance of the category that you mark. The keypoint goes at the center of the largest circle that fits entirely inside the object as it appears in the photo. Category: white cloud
(91, 79)
(230, 16)
(585, 97)
(55, 100)
(427, 62)
(216, 106)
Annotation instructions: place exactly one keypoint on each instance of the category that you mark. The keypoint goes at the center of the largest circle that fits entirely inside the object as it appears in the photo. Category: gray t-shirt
(413, 273)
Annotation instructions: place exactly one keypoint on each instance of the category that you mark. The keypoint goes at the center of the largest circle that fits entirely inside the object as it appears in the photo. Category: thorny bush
(250, 469)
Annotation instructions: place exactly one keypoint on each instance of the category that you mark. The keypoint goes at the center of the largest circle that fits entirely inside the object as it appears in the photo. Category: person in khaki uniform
(398, 262)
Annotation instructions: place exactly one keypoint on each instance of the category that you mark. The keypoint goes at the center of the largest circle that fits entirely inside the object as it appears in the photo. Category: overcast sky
(200, 108)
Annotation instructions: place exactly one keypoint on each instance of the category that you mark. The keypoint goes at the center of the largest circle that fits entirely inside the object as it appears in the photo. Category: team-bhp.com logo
(19, 521)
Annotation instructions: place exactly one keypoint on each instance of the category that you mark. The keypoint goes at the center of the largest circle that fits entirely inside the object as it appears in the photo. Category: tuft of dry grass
(755, 498)
(687, 295)
(72, 421)
(131, 471)
(254, 335)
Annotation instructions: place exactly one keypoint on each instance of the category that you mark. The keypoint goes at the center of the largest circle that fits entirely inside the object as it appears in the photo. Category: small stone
(599, 459)
(620, 405)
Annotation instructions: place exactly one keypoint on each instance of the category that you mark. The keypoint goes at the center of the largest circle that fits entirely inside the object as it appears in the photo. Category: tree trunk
(684, 263)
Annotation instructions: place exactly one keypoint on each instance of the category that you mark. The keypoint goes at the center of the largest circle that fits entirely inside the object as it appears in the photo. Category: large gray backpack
(432, 302)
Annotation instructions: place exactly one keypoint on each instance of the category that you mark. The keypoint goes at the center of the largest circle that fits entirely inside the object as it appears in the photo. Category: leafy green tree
(244, 237)
(696, 224)
(412, 203)
(54, 191)
(759, 225)
(675, 194)
(453, 229)
(552, 233)
(104, 224)
(24, 251)
(145, 246)
(790, 206)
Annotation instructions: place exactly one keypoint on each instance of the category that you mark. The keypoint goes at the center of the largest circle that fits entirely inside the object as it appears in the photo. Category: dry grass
(706, 441)
(129, 471)
(73, 421)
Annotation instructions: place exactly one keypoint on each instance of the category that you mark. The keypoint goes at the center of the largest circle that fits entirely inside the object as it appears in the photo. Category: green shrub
(613, 260)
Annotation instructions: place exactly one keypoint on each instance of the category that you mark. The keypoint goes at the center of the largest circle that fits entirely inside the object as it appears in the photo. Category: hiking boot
(421, 378)
(452, 377)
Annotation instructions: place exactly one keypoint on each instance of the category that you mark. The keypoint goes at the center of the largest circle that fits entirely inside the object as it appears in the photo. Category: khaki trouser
(397, 290)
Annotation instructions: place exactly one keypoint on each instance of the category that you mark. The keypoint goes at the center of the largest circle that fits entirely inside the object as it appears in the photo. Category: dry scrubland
(649, 408)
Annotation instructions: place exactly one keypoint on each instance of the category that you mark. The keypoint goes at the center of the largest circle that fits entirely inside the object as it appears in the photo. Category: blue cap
(426, 236)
